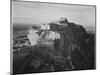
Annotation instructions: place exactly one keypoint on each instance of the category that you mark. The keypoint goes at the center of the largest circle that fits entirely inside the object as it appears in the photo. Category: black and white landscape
(51, 37)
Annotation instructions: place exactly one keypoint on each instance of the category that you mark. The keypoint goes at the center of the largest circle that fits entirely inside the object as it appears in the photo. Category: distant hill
(90, 29)
(17, 26)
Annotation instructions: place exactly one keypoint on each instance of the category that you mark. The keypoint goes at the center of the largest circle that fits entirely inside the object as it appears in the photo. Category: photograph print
(52, 37)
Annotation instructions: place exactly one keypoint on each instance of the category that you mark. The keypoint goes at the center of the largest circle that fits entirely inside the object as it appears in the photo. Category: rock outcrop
(74, 50)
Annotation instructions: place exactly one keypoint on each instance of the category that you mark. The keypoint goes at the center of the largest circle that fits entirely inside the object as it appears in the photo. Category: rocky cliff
(75, 50)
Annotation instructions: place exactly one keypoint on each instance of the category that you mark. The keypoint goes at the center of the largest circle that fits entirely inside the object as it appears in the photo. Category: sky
(37, 13)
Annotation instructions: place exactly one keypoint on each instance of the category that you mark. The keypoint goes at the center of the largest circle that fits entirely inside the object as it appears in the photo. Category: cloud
(34, 12)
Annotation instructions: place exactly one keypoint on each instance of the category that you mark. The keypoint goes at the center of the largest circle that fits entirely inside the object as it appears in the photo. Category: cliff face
(74, 50)
(74, 47)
